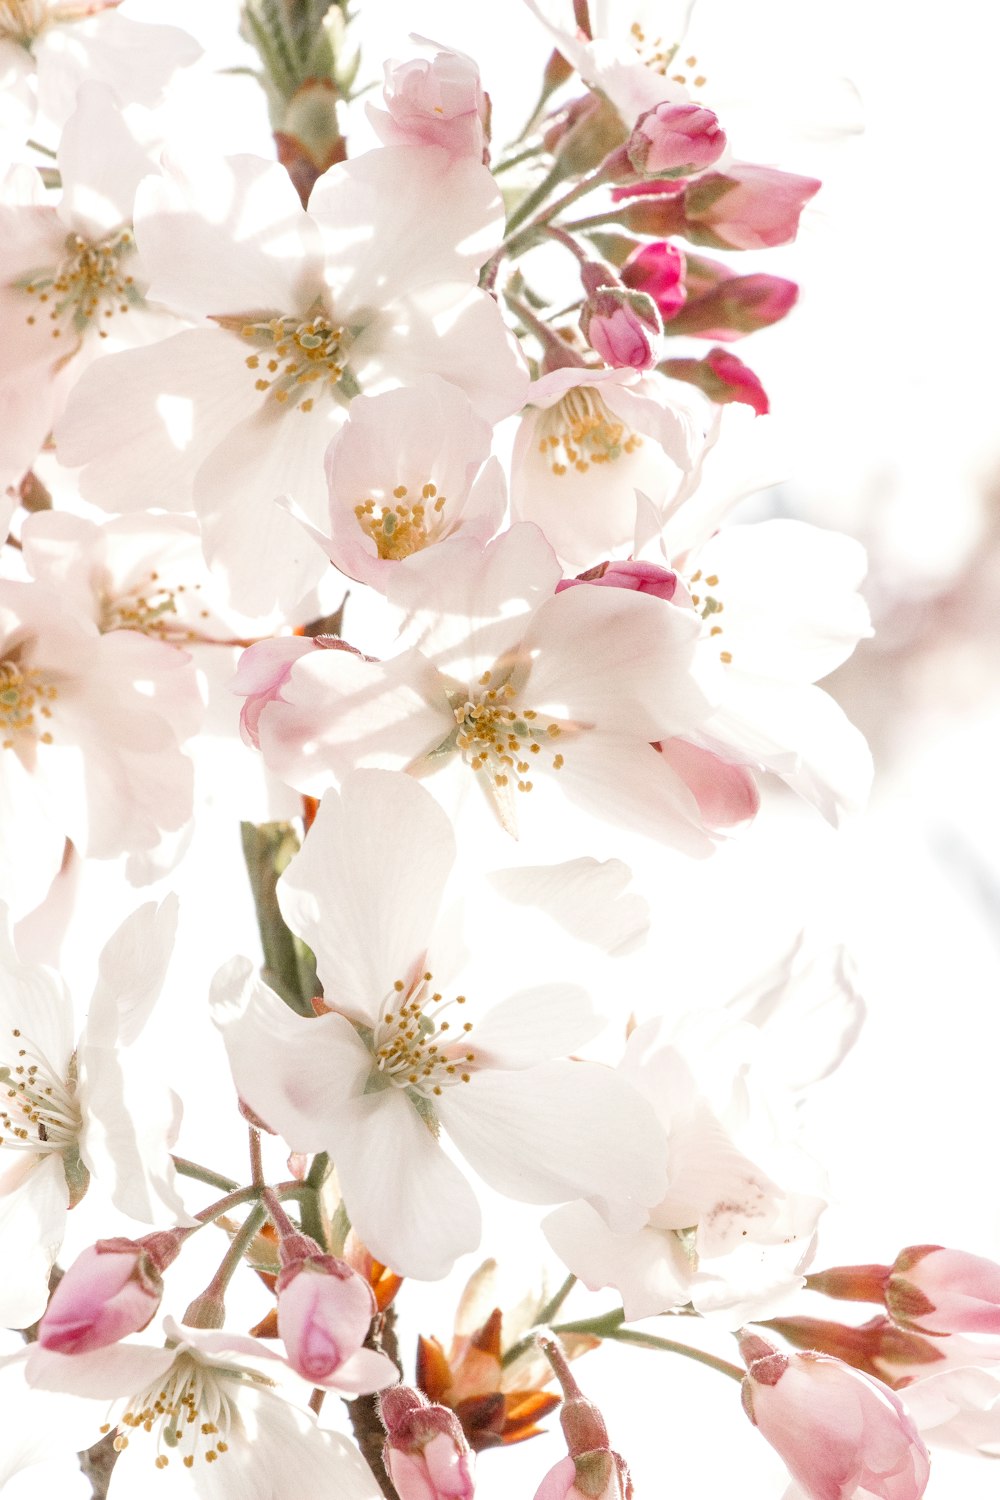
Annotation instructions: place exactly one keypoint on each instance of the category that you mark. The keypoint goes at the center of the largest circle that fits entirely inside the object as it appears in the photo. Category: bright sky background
(885, 392)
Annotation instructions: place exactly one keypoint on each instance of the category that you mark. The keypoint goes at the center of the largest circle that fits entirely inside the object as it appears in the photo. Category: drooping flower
(425, 1454)
(391, 1063)
(842, 1435)
(79, 1107)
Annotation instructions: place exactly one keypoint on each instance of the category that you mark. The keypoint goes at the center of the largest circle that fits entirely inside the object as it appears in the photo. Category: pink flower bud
(325, 1310)
(111, 1290)
(640, 577)
(592, 1476)
(676, 138)
(735, 305)
(838, 1432)
(747, 207)
(437, 101)
(623, 326)
(658, 270)
(426, 1455)
(726, 794)
(941, 1291)
(877, 1347)
(722, 377)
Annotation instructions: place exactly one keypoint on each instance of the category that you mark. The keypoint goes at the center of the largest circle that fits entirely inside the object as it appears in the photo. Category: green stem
(534, 199)
(256, 1162)
(242, 1240)
(311, 1211)
(593, 221)
(513, 161)
(555, 1302)
(652, 1341)
(37, 146)
(204, 1174)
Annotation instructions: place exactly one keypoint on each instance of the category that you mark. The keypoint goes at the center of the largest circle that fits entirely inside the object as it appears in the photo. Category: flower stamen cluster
(311, 352)
(89, 282)
(192, 1412)
(496, 738)
(23, 690)
(400, 530)
(579, 431)
(409, 1044)
(41, 1113)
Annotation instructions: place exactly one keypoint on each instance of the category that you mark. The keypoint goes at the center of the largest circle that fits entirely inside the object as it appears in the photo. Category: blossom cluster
(376, 473)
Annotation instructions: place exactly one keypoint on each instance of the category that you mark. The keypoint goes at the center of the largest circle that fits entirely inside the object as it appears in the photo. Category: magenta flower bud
(735, 306)
(325, 1310)
(722, 377)
(941, 1291)
(425, 1455)
(838, 1432)
(111, 1290)
(679, 139)
(658, 270)
(640, 577)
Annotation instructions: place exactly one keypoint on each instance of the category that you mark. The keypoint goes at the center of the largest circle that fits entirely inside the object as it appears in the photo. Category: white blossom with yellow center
(391, 1064)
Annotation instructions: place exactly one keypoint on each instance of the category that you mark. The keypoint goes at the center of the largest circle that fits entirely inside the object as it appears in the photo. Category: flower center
(401, 529)
(90, 282)
(23, 20)
(25, 695)
(191, 1410)
(296, 355)
(708, 606)
(656, 55)
(496, 737)
(410, 1043)
(38, 1107)
(579, 431)
(148, 607)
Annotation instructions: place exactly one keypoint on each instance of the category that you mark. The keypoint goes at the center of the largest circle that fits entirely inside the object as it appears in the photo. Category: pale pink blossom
(842, 1435)
(944, 1291)
(746, 207)
(434, 101)
(497, 664)
(406, 471)
(587, 440)
(261, 675)
(393, 1051)
(681, 139)
(298, 312)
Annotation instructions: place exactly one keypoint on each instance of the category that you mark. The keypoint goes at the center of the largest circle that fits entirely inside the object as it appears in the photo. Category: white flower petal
(131, 971)
(648, 1267)
(546, 1021)
(32, 1225)
(365, 889)
(588, 898)
(407, 1200)
(558, 1131)
(296, 1073)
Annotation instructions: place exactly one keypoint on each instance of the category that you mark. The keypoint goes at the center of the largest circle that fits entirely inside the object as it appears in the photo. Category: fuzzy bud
(722, 377)
(425, 1455)
(658, 270)
(941, 1291)
(675, 139)
(623, 326)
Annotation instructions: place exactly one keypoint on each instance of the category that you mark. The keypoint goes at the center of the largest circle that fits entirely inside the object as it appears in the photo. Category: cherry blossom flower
(425, 1453)
(743, 1197)
(91, 725)
(206, 1409)
(299, 312)
(407, 470)
(48, 48)
(780, 609)
(497, 664)
(435, 101)
(391, 1063)
(80, 1107)
(73, 283)
(587, 441)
